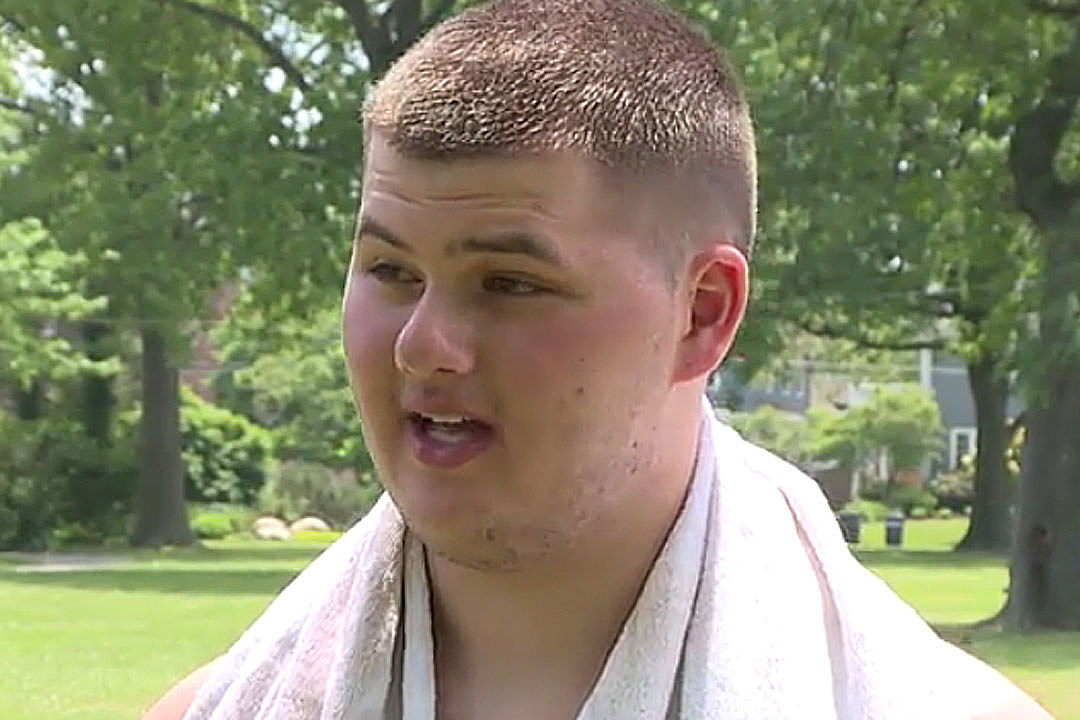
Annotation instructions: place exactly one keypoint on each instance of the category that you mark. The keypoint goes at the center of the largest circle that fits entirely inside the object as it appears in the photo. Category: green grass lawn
(950, 590)
(103, 644)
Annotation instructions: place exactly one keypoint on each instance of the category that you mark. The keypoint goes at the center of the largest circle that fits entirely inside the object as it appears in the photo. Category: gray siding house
(806, 384)
(947, 375)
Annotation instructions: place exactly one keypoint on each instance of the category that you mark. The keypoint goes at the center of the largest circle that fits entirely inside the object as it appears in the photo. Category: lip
(435, 406)
(443, 455)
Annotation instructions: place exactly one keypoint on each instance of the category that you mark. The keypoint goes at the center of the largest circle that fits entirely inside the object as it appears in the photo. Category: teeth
(445, 419)
(447, 435)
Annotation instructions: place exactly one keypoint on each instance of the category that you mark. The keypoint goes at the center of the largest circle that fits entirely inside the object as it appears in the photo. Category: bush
(218, 520)
(75, 534)
(226, 456)
(943, 513)
(58, 487)
(297, 489)
(784, 434)
(212, 527)
(954, 490)
(868, 510)
(873, 489)
(919, 512)
(909, 497)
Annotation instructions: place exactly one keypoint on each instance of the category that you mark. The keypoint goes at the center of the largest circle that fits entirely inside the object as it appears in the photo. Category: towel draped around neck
(755, 609)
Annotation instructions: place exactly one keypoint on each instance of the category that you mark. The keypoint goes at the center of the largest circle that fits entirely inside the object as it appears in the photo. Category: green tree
(785, 434)
(901, 422)
(934, 176)
(114, 171)
(177, 143)
(1044, 160)
(39, 289)
(40, 286)
(885, 196)
(292, 379)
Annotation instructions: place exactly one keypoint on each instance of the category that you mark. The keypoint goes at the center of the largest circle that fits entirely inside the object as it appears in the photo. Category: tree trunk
(30, 401)
(98, 399)
(1045, 574)
(1044, 588)
(161, 518)
(989, 528)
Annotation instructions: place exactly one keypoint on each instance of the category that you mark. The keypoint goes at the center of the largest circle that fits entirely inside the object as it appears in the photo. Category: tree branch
(1039, 132)
(19, 107)
(437, 15)
(407, 21)
(373, 40)
(276, 54)
(1047, 7)
(907, 31)
(1072, 192)
(8, 19)
(864, 341)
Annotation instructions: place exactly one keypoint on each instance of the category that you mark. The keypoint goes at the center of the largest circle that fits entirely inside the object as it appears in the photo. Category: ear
(717, 290)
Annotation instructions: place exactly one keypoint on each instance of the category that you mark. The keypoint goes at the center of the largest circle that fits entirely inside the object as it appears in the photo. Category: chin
(468, 544)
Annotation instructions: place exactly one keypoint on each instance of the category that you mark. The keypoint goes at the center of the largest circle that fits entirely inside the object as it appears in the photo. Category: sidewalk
(25, 562)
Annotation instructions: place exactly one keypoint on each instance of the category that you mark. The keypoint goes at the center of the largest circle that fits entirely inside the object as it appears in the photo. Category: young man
(550, 259)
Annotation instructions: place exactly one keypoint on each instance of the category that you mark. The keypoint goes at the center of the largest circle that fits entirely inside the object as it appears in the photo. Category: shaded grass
(103, 644)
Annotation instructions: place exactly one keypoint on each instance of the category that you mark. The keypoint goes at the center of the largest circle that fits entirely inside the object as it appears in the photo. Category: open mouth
(448, 428)
(447, 441)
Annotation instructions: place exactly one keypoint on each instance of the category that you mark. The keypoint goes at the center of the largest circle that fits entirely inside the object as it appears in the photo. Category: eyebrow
(509, 243)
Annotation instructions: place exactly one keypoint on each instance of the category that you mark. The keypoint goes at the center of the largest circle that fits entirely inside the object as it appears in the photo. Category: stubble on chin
(483, 549)
(492, 545)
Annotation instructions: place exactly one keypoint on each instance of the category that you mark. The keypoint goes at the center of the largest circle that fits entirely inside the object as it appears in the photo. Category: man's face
(498, 292)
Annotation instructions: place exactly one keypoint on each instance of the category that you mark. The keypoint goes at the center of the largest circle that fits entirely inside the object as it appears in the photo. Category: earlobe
(717, 294)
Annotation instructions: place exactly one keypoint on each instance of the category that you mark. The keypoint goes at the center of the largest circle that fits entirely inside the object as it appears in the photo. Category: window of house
(961, 444)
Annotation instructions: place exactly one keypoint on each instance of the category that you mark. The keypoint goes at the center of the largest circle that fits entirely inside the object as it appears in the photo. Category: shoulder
(178, 699)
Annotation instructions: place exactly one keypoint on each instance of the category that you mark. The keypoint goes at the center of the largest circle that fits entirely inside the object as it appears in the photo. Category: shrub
(210, 526)
(909, 497)
(919, 512)
(956, 489)
(58, 487)
(943, 513)
(873, 489)
(297, 489)
(226, 456)
(785, 434)
(868, 510)
(75, 534)
(218, 520)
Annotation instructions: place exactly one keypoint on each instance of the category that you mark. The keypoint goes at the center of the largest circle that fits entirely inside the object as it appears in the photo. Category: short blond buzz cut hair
(627, 83)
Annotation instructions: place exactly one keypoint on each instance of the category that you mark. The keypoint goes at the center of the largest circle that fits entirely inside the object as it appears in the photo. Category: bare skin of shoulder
(178, 699)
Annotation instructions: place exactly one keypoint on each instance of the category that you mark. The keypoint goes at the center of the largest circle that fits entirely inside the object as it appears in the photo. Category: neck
(548, 627)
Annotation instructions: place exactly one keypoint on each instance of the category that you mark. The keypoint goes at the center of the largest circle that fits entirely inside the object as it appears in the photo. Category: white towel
(755, 609)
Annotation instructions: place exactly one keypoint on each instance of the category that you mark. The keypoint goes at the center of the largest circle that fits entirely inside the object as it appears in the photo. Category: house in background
(807, 383)
(947, 376)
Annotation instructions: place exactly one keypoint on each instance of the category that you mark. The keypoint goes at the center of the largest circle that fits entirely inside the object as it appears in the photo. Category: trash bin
(894, 529)
(850, 526)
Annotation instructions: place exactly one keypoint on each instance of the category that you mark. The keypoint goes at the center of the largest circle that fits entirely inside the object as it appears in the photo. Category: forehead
(552, 186)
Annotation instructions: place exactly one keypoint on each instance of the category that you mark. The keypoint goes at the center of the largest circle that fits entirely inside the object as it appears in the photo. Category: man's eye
(511, 286)
(391, 273)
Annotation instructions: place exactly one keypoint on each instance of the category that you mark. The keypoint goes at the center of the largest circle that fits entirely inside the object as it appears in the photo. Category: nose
(435, 339)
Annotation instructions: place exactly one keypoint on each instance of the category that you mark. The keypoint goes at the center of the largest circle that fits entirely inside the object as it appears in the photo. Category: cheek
(369, 330)
(595, 362)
